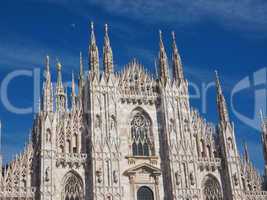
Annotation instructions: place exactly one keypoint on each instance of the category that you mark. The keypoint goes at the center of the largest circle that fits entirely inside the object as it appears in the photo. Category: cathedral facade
(129, 136)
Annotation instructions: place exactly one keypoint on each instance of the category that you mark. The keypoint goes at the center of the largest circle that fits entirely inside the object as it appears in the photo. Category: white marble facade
(129, 136)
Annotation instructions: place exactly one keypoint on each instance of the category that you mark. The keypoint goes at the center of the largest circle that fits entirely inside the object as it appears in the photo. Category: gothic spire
(60, 94)
(93, 53)
(178, 73)
(73, 93)
(47, 100)
(81, 67)
(80, 81)
(47, 70)
(163, 60)
(221, 103)
(107, 54)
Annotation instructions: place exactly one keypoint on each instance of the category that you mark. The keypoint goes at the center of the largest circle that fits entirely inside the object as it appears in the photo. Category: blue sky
(227, 35)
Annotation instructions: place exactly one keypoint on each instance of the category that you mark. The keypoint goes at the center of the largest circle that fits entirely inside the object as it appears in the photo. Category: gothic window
(212, 189)
(73, 187)
(140, 135)
(145, 193)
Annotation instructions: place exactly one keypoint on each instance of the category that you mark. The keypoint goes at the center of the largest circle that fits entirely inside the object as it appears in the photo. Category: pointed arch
(142, 142)
(73, 188)
(211, 188)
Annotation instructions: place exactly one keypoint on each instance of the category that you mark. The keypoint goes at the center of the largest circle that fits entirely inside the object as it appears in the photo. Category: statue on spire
(163, 60)
(107, 54)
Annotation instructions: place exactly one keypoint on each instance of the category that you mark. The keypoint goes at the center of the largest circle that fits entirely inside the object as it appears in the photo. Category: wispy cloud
(22, 53)
(241, 14)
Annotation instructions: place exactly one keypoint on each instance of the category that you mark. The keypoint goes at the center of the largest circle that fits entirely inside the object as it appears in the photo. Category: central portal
(145, 193)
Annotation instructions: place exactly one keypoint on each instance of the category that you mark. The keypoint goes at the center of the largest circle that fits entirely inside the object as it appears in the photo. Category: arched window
(212, 189)
(141, 135)
(145, 193)
(73, 187)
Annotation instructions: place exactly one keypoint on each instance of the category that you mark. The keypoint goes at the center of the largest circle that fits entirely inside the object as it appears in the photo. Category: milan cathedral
(129, 135)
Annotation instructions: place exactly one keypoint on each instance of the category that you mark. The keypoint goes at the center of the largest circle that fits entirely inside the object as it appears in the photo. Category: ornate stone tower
(231, 166)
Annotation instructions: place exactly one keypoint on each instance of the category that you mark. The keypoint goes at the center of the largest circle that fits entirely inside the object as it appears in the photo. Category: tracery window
(212, 189)
(145, 193)
(140, 135)
(73, 188)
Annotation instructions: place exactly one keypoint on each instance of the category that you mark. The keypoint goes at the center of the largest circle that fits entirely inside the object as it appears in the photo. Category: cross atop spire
(107, 54)
(163, 60)
(178, 73)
